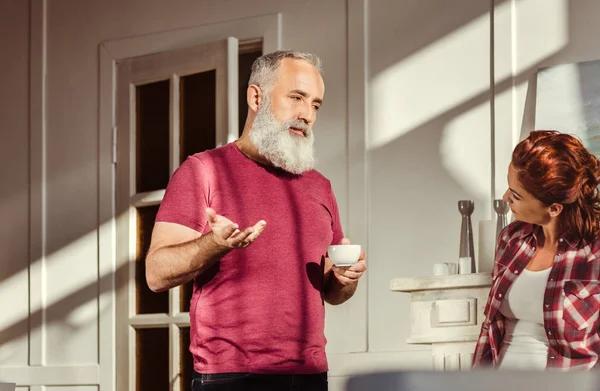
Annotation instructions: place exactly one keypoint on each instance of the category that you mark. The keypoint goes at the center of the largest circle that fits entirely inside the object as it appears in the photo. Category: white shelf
(446, 312)
(455, 281)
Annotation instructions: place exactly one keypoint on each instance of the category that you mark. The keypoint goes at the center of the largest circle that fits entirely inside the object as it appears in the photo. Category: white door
(169, 105)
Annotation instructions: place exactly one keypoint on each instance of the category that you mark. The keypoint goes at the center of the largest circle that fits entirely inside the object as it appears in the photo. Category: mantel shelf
(427, 340)
(446, 312)
(411, 284)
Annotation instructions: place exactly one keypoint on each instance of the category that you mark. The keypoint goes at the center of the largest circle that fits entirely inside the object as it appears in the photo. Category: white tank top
(525, 345)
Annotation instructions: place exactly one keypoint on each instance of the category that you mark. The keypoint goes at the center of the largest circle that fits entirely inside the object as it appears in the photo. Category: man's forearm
(171, 266)
(336, 293)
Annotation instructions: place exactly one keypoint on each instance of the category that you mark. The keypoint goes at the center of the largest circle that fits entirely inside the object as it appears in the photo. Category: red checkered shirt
(571, 299)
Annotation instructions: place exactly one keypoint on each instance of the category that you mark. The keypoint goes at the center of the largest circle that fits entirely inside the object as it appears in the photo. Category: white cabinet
(446, 312)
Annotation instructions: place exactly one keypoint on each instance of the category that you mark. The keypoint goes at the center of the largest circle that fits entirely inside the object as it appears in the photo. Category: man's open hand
(227, 234)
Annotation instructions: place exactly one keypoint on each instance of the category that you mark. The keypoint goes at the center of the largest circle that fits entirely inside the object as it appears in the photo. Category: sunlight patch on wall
(547, 35)
(430, 82)
(71, 262)
(13, 304)
(12, 310)
(508, 129)
(70, 300)
(466, 152)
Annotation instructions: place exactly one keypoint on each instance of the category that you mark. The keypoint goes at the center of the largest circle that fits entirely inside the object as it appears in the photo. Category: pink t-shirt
(260, 309)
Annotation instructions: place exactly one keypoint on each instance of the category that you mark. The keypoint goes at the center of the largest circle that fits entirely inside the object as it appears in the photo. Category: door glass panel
(245, 61)
(198, 113)
(185, 296)
(152, 136)
(186, 361)
(152, 359)
(147, 302)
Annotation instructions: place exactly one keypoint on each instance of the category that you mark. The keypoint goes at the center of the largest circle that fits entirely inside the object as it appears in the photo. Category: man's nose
(306, 115)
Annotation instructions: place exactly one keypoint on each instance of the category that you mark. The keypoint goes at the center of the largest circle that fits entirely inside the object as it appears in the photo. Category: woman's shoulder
(516, 229)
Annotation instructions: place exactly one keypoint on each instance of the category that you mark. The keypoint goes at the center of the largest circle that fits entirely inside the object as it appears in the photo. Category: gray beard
(274, 140)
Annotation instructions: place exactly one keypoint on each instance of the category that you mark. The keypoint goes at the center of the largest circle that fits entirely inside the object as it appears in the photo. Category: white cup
(452, 267)
(344, 254)
(464, 265)
(440, 269)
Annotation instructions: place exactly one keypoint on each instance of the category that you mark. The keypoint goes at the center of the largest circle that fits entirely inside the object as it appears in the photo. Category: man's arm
(340, 282)
(179, 254)
(336, 292)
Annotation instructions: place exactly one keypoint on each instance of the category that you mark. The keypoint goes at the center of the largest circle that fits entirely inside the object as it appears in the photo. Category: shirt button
(552, 279)
(549, 332)
(516, 272)
(552, 357)
(547, 305)
(560, 240)
(499, 294)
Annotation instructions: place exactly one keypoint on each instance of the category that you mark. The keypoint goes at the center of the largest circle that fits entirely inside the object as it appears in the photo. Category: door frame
(266, 27)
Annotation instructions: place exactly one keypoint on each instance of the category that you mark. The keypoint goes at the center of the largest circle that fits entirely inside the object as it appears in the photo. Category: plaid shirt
(571, 298)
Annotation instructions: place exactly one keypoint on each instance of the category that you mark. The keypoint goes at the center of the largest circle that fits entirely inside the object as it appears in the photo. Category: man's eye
(316, 107)
(296, 98)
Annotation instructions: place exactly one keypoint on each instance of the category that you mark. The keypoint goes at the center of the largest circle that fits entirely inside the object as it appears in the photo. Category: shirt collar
(536, 231)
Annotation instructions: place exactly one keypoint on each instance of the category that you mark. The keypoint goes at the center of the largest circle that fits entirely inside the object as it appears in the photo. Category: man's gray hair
(264, 68)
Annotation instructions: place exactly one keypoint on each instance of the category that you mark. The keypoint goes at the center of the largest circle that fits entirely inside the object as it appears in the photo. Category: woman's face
(524, 206)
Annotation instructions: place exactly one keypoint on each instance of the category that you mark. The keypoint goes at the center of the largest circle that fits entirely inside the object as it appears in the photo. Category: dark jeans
(259, 382)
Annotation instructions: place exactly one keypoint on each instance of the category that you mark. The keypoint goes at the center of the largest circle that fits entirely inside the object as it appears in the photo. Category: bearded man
(250, 223)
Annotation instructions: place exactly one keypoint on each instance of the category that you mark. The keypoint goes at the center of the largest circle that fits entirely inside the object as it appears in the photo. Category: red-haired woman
(544, 302)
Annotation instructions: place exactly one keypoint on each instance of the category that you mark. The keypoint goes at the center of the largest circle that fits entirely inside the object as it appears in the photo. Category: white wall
(428, 144)
(66, 35)
(534, 34)
(14, 176)
(427, 140)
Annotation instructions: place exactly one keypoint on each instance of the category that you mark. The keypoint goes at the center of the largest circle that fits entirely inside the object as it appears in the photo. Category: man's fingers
(250, 234)
(211, 215)
(258, 228)
(345, 241)
(229, 231)
(345, 280)
(359, 266)
(233, 235)
(353, 275)
(240, 236)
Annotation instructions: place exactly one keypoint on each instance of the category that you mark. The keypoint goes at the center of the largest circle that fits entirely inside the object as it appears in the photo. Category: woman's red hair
(556, 168)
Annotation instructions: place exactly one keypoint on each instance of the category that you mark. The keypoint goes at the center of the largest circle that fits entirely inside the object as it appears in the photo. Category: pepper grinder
(501, 208)
(466, 207)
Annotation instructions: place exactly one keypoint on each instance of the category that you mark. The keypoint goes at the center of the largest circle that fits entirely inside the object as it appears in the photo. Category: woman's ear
(555, 209)
(253, 97)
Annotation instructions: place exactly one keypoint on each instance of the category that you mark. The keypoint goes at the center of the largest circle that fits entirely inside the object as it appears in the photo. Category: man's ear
(555, 209)
(253, 97)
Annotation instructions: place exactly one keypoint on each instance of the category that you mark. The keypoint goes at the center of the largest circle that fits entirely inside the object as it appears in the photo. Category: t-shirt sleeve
(336, 225)
(186, 196)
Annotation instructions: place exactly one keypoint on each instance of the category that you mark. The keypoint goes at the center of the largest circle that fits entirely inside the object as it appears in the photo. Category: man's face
(282, 128)
(297, 94)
